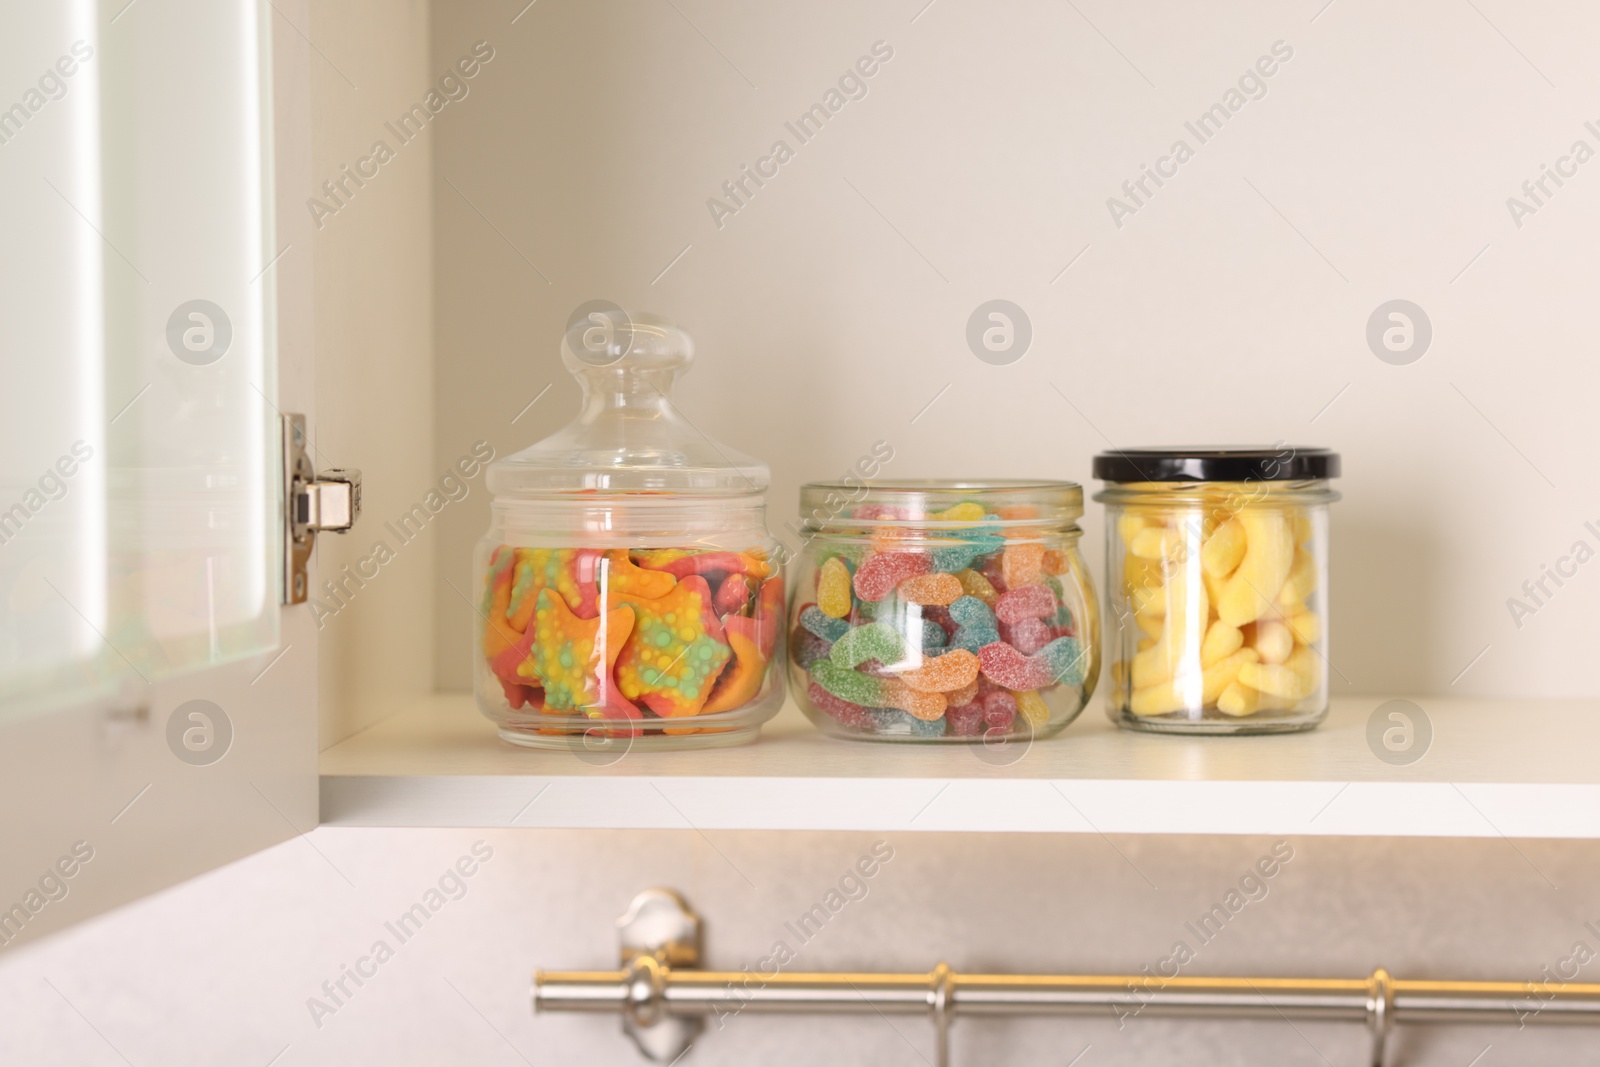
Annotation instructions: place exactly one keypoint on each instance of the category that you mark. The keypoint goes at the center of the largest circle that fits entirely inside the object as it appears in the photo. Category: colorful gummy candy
(880, 572)
(833, 589)
(629, 637)
(955, 628)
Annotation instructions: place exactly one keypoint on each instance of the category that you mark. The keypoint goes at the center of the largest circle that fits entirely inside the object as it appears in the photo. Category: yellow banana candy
(1277, 679)
(1187, 610)
(1224, 549)
(1306, 627)
(1302, 580)
(1224, 673)
(1156, 542)
(1274, 640)
(1239, 700)
(1221, 640)
(1268, 555)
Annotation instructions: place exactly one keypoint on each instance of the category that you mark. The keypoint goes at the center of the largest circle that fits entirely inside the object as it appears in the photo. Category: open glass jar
(628, 588)
(942, 611)
(1216, 587)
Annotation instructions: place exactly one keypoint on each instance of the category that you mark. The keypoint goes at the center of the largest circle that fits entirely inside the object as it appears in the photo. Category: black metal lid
(1281, 463)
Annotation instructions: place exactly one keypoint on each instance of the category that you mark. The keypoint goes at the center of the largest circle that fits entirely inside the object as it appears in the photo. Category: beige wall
(991, 142)
(374, 266)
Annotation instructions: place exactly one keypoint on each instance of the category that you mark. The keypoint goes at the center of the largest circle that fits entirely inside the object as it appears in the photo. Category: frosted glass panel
(137, 455)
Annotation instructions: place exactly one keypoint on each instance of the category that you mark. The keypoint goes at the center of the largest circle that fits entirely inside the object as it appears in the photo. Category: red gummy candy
(999, 708)
(586, 571)
(734, 593)
(966, 720)
(880, 511)
(1028, 602)
(880, 572)
(846, 713)
(1028, 635)
(1007, 666)
(519, 695)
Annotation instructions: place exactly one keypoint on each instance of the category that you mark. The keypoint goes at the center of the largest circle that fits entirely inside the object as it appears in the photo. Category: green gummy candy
(847, 684)
(875, 640)
(877, 609)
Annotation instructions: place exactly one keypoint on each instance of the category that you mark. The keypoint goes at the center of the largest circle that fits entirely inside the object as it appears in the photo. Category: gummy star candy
(573, 657)
(677, 650)
(569, 571)
(499, 636)
(622, 575)
(682, 563)
(743, 678)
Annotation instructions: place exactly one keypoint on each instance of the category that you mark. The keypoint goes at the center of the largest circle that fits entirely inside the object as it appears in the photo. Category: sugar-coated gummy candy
(953, 670)
(930, 589)
(965, 720)
(999, 708)
(975, 584)
(1061, 619)
(1059, 661)
(966, 511)
(1031, 706)
(965, 695)
(1022, 564)
(1056, 562)
(960, 555)
(833, 588)
(876, 640)
(805, 647)
(880, 572)
(843, 710)
(975, 624)
(992, 574)
(940, 617)
(824, 626)
(848, 684)
(1025, 602)
(897, 694)
(933, 636)
(1027, 635)
(886, 608)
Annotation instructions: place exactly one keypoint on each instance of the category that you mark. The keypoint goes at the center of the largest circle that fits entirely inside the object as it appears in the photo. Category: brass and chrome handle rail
(663, 997)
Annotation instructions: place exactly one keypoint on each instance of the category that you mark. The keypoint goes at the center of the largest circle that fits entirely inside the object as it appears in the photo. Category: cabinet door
(157, 705)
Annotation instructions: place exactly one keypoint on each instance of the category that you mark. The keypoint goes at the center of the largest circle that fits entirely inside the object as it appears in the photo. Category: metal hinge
(312, 502)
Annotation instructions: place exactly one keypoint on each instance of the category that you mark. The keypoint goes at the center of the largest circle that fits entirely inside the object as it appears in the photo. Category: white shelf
(1497, 768)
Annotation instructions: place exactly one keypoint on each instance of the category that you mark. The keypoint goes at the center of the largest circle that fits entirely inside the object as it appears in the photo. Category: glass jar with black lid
(1217, 587)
